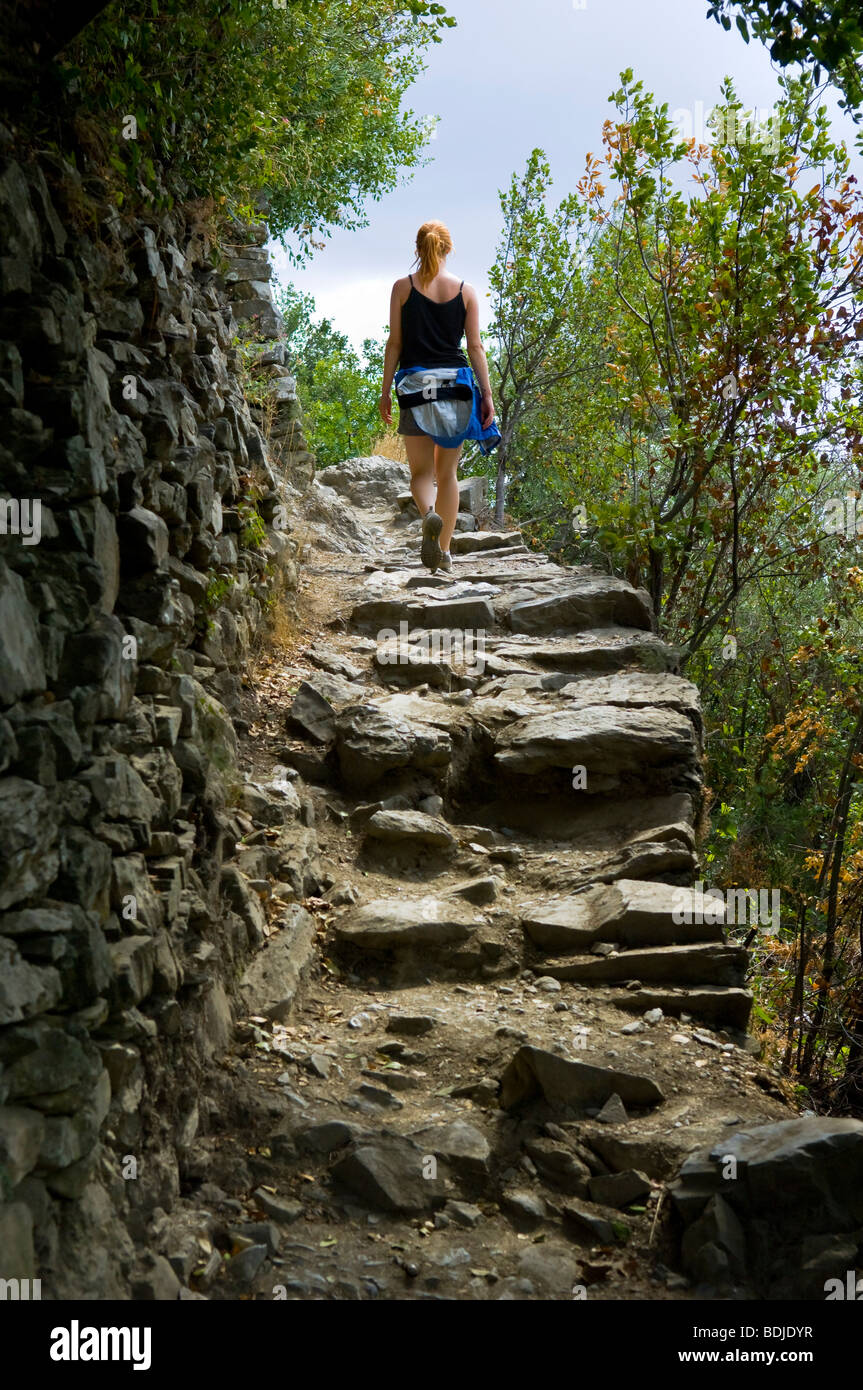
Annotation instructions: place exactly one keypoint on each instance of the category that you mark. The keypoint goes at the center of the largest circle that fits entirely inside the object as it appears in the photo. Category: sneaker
(445, 561)
(430, 551)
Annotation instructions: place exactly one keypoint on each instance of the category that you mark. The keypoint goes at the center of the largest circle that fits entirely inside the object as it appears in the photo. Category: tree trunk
(500, 486)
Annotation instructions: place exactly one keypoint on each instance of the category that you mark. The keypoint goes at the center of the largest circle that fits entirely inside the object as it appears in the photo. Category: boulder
(534, 1072)
(397, 923)
(388, 1174)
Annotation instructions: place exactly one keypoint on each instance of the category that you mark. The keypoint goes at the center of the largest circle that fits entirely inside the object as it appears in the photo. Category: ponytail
(433, 243)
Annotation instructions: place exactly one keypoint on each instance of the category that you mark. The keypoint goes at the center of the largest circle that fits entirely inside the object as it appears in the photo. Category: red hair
(433, 243)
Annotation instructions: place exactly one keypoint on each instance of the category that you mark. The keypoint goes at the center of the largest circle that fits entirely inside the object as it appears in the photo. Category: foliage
(735, 358)
(821, 33)
(297, 103)
(339, 391)
(543, 317)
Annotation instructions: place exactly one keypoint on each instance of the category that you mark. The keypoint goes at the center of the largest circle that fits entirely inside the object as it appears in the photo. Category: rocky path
(478, 1044)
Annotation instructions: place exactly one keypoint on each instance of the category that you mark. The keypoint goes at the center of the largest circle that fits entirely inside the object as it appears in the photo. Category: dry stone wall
(145, 530)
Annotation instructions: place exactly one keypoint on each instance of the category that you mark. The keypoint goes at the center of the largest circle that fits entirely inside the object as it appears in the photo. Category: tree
(542, 319)
(298, 102)
(817, 33)
(736, 356)
(338, 390)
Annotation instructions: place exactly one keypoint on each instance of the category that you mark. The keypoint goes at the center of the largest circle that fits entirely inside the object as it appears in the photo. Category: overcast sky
(512, 75)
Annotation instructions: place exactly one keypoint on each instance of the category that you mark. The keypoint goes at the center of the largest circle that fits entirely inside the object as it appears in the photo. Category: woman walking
(430, 312)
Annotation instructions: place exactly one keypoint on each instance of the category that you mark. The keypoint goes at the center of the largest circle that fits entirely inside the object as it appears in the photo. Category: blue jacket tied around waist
(446, 404)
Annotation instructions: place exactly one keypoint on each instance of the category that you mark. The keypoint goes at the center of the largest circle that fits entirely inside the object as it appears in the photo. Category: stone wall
(144, 540)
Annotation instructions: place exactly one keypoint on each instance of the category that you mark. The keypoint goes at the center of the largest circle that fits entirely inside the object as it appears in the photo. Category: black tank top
(431, 332)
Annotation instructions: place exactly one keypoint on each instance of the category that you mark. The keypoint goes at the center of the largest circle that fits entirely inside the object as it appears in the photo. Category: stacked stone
(248, 280)
(124, 624)
(247, 283)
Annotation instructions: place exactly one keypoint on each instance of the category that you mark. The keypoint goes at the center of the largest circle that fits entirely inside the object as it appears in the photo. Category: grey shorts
(407, 423)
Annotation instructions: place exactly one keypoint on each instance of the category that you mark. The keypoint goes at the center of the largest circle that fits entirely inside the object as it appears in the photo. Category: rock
(593, 602)
(22, 667)
(548, 985)
(653, 750)
(143, 538)
(461, 1145)
(549, 1267)
(21, 1134)
(28, 833)
(388, 1174)
(558, 1165)
(272, 982)
(784, 1169)
(479, 891)
(262, 1233)
(462, 1214)
(370, 743)
(834, 1259)
(614, 1111)
(534, 1072)
(619, 1189)
(280, 1209)
(394, 923)
(526, 1209)
(366, 481)
(245, 1266)
(653, 1016)
(17, 1256)
(312, 714)
(410, 1025)
(472, 543)
(324, 1138)
(25, 989)
(377, 1095)
(155, 1281)
(412, 826)
(717, 1229)
(584, 1224)
(628, 913)
(472, 493)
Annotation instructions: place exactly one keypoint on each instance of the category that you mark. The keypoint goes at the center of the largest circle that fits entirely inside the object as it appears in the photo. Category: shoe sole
(430, 551)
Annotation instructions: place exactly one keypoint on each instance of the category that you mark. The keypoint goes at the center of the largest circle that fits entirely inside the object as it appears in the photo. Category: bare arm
(392, 352)
(476, 352)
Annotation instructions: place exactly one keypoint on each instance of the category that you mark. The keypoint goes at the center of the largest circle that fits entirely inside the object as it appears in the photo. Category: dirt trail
(381, 1128)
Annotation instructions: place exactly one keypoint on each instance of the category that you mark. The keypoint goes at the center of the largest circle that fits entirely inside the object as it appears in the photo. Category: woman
(430, 312)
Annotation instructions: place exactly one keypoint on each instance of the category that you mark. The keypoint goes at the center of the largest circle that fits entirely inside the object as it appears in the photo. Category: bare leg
(421, 457)
(445, 468)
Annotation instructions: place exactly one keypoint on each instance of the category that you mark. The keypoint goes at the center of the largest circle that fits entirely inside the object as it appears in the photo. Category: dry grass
(391, 446)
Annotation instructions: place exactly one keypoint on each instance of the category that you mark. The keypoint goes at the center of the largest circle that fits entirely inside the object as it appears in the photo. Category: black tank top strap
(461, 287)
(411, 278)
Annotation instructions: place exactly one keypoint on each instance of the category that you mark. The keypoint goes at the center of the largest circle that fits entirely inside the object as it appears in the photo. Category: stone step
(702, 963)
(586, 603)
(715, 1004)
(593, 652)
(460, 614)
(468, 542)
(472, 495)
(505, 553)
(621, 749)
(629, 912)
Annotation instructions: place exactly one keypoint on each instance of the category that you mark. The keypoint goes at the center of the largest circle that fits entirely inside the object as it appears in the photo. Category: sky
(514, 75)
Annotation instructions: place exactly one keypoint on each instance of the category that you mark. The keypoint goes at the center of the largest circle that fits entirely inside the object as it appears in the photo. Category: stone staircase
(481, 1043)
(544, 727)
